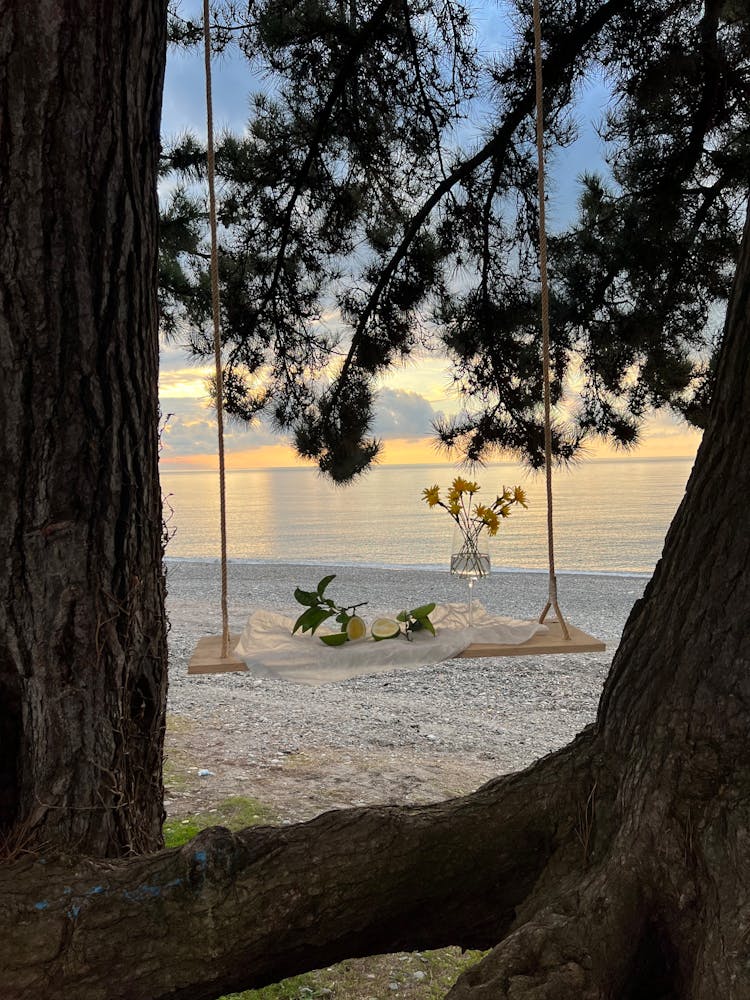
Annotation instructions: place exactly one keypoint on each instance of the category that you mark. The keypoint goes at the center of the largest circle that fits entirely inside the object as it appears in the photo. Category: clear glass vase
(470, 559)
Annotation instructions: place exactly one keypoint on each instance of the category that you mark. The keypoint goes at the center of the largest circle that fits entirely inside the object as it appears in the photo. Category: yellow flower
(492, 522)
(464, 485)
(454, 507)
(505, 510)
(431, 495)
(488, 517)
(454, 495)
(519, 496)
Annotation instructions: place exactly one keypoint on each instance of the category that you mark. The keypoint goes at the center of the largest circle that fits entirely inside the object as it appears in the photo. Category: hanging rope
(217, 334)
(552, 595)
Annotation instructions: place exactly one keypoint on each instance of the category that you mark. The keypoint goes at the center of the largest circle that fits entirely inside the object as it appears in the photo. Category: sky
(413, 395)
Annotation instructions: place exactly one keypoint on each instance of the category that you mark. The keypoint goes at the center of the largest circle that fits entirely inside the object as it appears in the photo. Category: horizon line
(458, 465)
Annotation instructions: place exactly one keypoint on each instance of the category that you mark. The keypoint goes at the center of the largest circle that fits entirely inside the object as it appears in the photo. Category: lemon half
(385, 628)
(355, 628)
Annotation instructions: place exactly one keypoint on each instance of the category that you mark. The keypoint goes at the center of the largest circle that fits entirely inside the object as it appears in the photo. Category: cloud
(400, 413)
(191, 425)
(191, 430)
(176, 357)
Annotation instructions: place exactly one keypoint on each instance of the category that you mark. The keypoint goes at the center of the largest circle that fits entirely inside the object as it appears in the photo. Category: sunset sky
(413, 395)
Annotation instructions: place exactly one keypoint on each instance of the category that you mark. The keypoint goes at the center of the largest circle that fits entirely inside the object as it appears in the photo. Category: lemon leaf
(309, 620)
(425, 622)
(305, 597)
(324, 583)
(423, 610)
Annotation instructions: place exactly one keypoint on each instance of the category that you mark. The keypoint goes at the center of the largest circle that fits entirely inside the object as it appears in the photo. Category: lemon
(385, 628)
(334, 639)
(356, 628)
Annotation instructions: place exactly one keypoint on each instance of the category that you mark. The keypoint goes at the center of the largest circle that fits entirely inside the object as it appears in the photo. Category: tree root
(580, 946)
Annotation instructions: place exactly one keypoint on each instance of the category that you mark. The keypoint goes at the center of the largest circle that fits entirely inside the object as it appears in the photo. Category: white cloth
(269, 648)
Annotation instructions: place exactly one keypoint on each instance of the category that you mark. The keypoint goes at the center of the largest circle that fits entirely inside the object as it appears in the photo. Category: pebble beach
(457, 722)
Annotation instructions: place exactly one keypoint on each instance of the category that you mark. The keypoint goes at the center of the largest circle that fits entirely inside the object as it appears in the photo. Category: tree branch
(557, 64)
(228, 912)
(347, 69)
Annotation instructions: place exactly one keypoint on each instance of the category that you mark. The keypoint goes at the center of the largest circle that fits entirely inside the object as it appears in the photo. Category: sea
(610, 516)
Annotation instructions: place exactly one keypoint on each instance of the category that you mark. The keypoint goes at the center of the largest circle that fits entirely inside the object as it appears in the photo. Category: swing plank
(552, 641)
(207, 658)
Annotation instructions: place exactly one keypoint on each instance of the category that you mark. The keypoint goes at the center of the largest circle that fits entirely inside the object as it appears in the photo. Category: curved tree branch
(232, 911)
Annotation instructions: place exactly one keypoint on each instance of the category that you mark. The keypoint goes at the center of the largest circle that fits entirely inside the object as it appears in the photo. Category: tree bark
(228, 911)
(82, 629)
(662, 906)
(615, 868)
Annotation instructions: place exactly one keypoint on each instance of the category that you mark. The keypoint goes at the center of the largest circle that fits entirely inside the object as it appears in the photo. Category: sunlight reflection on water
(610, 516)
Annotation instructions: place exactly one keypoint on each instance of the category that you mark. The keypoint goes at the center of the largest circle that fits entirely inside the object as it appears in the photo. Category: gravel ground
(405, 737)
(505, 711)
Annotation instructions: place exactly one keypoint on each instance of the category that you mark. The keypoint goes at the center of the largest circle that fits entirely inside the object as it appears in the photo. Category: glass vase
(470, 559)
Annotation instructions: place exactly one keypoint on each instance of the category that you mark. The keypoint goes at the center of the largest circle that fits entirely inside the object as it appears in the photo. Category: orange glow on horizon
(422, 451)
(400, 451)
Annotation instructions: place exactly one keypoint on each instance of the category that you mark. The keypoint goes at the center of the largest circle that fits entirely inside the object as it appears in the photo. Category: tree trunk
(615, 868)
(228, 911)
(659, 904)
(82, 629)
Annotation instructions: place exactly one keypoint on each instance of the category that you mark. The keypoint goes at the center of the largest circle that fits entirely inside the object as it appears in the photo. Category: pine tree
(614, 867)
(360, 193)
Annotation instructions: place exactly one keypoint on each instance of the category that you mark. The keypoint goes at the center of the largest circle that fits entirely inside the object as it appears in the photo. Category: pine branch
(347, 69)
(558, 64)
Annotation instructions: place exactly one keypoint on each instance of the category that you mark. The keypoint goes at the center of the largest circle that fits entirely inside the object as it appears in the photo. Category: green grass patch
(426, 975)
(180, 724)
(296, 988)
(236, 813)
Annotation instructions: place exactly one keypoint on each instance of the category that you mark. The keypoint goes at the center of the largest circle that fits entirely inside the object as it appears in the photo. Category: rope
(552, 595)
(217, 334)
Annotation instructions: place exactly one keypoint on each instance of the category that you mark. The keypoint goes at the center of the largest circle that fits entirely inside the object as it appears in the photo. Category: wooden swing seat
(207, 657)
(552, 641)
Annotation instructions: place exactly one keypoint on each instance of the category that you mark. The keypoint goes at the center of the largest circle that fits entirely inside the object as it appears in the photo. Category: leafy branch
(417, 619)
(320, 608)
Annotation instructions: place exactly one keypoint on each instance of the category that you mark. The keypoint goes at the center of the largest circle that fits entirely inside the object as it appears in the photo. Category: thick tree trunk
(616, 868)
(82, 631)
(661, 907)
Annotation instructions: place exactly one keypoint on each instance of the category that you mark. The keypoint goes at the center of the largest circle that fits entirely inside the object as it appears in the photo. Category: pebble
(509, 710)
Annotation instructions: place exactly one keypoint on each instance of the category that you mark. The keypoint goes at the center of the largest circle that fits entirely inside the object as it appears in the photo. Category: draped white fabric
(270, 650)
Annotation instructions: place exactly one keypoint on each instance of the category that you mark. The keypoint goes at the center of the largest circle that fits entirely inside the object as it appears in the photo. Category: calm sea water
(610, 516)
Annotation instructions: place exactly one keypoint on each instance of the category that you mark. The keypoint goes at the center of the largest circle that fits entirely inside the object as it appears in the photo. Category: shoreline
(401, 567)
